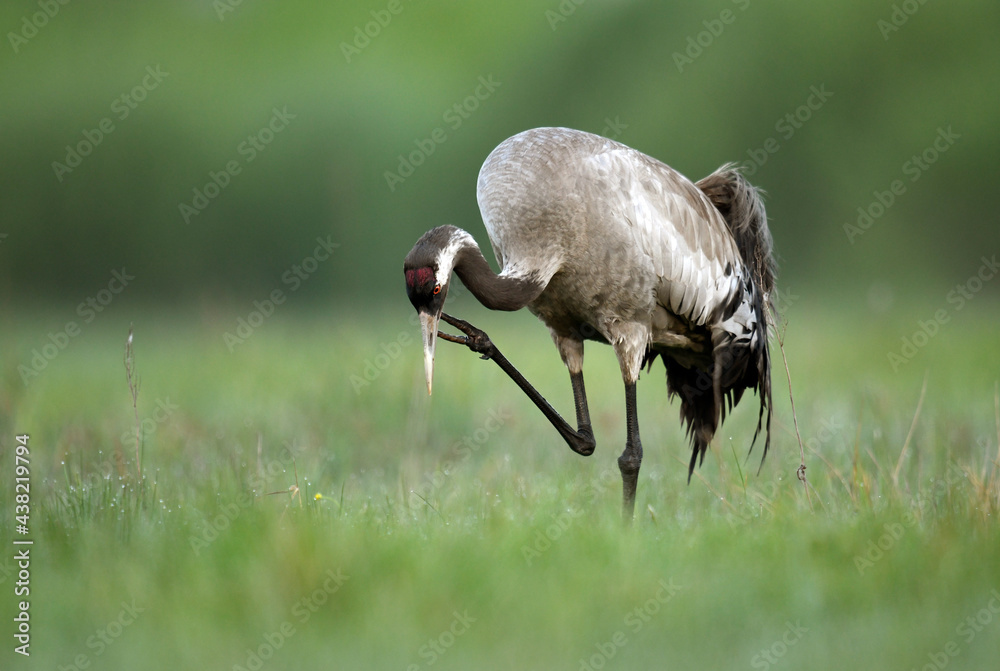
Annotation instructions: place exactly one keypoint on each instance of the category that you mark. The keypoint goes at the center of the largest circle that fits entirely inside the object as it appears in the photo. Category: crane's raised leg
(631, 459)
(581, 440)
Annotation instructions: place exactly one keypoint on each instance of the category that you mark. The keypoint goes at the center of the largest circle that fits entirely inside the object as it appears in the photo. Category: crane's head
(428, 273)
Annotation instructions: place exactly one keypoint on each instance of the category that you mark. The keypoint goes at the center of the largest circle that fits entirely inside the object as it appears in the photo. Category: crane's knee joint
(585, 444)
(629, 464)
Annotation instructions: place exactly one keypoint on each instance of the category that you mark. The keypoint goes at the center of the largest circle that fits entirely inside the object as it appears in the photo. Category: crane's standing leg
(580, 441)
(630, 346)
(631, 459)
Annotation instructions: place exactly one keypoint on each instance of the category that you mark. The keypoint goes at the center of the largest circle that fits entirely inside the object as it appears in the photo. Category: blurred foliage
(361, 103)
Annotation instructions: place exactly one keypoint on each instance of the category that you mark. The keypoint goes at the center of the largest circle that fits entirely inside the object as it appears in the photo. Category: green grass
(505, 550)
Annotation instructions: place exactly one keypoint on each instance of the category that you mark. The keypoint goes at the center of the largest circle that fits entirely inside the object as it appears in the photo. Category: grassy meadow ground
(458, 532)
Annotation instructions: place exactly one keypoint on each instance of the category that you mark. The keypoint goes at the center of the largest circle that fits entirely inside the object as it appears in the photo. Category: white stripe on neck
(446, 257)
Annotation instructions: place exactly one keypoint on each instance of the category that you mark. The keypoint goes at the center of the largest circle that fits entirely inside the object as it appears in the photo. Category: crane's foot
(474, 339)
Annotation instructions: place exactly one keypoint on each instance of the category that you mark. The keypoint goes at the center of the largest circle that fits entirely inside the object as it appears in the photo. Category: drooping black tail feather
(741, 204)
(698, 410)
(740, 359)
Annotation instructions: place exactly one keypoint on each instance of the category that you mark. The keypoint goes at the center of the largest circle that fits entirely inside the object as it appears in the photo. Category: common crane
(604, 243)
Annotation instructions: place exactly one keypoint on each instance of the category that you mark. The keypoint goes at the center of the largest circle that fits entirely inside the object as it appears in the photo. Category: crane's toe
(474, 339)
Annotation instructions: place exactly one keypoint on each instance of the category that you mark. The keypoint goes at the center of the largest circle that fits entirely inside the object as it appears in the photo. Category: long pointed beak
(429, 328)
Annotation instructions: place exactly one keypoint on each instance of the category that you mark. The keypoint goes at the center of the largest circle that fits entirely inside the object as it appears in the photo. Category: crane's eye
(437, 289)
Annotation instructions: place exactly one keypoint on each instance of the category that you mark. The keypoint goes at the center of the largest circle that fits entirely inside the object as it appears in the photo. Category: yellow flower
(319, 496)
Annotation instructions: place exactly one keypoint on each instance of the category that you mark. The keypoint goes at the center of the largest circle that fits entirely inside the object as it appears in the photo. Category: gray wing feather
(676, 227)
(659, 222)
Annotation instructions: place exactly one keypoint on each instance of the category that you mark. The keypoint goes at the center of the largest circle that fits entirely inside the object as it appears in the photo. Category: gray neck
(497, 292)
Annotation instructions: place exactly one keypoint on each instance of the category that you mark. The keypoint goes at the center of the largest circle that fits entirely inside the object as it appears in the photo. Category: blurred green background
(693, 85)
(213, 151)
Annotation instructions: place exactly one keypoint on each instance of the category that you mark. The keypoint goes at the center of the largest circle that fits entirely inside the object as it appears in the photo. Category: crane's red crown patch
(419, 277)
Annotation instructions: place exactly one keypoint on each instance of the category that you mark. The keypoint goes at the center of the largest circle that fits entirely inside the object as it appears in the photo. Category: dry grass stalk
(133, 386)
